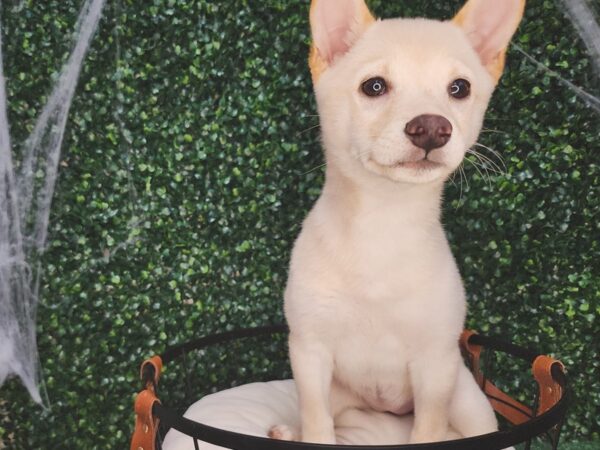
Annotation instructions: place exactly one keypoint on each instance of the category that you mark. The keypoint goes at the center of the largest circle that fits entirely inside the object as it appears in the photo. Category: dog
(374, 300)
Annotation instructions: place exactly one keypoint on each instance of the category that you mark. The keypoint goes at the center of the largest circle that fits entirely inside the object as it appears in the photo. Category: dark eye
(374, 87)
(460, 88)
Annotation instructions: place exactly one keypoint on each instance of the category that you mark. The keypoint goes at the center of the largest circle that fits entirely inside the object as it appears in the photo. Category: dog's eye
(374, 87)
(460, 88)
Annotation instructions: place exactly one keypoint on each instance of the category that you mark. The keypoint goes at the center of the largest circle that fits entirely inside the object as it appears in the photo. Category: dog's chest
(385, 268)
(373, 363)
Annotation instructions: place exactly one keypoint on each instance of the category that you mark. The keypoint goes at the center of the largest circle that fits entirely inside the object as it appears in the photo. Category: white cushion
(254, 408)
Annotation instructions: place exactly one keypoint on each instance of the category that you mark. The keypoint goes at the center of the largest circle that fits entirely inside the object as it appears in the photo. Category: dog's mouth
(417, 170)
(423, 164)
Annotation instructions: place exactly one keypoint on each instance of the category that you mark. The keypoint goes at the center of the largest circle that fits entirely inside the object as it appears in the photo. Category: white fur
(374, 300)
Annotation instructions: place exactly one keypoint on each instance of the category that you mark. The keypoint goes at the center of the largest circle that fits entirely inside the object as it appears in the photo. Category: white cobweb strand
(591, 100)
(24, 222)
(16, 317)
(584, 19)
(42, 148)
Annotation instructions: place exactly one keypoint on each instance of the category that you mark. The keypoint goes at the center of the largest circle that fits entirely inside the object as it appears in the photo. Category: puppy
(374, 300)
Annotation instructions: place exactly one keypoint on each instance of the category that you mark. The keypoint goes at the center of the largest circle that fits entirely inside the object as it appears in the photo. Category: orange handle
(146, 425)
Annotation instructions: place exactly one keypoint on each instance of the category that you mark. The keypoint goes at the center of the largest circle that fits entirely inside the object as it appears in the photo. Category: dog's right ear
(336, 25)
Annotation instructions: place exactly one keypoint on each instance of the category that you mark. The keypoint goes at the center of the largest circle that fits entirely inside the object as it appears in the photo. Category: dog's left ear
(489, 25)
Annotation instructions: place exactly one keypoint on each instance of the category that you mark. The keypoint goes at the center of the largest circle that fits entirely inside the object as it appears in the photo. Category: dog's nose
(429, 131)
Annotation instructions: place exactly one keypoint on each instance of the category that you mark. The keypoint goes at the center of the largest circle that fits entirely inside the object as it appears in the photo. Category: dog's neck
(354, 197)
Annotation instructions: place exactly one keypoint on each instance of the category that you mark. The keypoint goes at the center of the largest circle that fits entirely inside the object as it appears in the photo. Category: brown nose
(429, 131)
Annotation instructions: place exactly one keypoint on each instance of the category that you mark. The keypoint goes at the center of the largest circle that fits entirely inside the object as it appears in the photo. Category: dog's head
(405, 98)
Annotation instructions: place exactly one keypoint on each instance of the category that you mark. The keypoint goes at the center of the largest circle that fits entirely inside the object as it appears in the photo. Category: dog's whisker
(485, 163)
(460, 174)
(496, 119)
(320, 166)
(308, 129)
(478, 167)
(487, 171)
(462, 169)
(452, 178)
(490, 130)
(485, 167)
(493, 166)
(503, 169)
(492, 151)
(496, 154)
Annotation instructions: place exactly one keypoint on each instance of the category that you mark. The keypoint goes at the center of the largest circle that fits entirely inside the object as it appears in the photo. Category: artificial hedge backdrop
(191, 157)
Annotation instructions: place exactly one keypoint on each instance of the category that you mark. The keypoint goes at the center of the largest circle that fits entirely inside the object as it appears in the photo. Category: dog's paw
(284, 433)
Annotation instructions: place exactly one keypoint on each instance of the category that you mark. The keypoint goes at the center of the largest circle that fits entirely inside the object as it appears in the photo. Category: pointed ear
(489, 25)
(336, 25)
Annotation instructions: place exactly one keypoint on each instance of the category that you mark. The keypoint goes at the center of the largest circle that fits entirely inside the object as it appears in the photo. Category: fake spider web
(26, 190)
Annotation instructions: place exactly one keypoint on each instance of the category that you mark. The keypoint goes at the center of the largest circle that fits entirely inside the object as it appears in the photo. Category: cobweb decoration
(25, 199)
(585, 20)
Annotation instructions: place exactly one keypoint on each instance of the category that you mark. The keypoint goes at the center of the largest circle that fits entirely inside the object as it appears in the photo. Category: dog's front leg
(433, 378)
(471, 413)
(312, 365)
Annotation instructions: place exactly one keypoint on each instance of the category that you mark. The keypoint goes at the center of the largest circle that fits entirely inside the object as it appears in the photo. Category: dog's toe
(283, 433)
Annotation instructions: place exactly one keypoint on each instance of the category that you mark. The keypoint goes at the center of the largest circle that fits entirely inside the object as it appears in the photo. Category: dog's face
(405, 98)
(406, 101)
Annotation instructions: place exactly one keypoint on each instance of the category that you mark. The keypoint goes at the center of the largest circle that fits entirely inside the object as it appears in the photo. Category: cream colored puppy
(374, 300)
